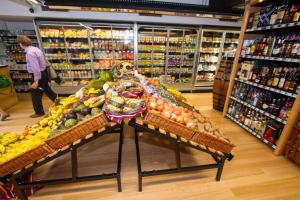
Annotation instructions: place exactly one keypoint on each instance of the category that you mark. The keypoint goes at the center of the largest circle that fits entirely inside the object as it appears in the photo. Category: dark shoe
(36, 115)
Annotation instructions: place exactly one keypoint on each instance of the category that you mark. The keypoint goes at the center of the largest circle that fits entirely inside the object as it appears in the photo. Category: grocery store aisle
(254, 173)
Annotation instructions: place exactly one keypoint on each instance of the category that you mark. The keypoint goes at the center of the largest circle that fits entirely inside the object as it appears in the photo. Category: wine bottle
(277, 47)
(295, 81)
(295, 47)
(281, 12)
(276, 77)
(288, 80)
(271, 75)
(295, 13)
(282, 78)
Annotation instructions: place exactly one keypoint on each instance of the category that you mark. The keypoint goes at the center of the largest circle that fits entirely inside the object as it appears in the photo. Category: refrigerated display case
(210, 52)
(230, 43)
(152, 45)
(185, 57)
(168, 54)
(80, 51)
(111, 45)
(181, 52)
(213, 45)
(14, 57)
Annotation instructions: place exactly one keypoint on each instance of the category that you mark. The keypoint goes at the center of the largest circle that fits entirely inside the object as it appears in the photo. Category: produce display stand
(218, 156)
(21, 186)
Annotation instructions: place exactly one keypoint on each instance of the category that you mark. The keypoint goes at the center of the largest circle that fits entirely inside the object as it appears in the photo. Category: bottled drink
(295, 47)
(273, 18)
(270, 76)
(282, 78)
(288, 80)
(281, 12)
(277, 47)
(296, 13)
(295, 81)
(276, 77)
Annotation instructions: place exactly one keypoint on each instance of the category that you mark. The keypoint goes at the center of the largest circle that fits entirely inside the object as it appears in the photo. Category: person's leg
(45, 85)
(3, 114)
(36, 95)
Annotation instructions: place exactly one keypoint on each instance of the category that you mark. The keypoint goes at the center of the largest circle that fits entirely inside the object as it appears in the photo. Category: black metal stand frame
(21, 186)
(220, 160)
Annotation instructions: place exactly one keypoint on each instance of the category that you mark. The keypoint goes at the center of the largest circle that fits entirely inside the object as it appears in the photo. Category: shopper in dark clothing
(36, 65)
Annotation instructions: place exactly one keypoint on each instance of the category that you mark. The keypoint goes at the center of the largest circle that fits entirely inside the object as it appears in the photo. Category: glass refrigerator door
(52, 38)
(101, 47)
(78, 52)
(152, 51)
(180, 57)
(174, 56)
(230, 43)
(209, 58)
(122, 44)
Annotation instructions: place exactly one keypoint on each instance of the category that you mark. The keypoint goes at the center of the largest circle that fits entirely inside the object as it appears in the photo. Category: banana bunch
(94, 101)
(93, 91)
(68, 100)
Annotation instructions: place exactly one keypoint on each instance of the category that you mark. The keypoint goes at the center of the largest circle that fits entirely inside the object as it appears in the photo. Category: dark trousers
(37, 94)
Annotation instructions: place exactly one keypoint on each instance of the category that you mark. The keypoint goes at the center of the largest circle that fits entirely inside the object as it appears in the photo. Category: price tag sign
(258, 136)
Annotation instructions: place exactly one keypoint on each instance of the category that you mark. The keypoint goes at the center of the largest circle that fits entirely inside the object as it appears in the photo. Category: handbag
(53, 75)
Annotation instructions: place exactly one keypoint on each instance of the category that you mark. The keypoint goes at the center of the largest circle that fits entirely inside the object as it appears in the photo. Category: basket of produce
(124, 101)
(185, 123)
(214, 141)
(168, 116)
(85, 117)
(17, 153)
(62, 137)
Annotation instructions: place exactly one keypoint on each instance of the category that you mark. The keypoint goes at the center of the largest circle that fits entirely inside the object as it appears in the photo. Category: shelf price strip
(271, 58)
(273, 27)
(259, 110)
(252, 132)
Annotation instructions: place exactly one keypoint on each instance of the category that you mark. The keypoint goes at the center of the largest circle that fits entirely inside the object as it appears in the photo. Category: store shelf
(79, 59)
(258, 136)
(76, 37)
(273, 27)
(74, 69)
(268, 88)
(54, 48)
(52, 37)
(209, 52)
(217, 42)
(208, 61)
(259, 110)
(272, 58)
(209, 71)
(88, 77)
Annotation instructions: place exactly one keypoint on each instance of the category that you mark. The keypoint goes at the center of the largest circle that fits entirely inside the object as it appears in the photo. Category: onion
(177, 112)
(152, 99)
(201, 119)
(173, 116)
(166, 114)
(179, 119)
(160, 102)
(186, 119)
(191, 125)
(160, 107)
(153, 105)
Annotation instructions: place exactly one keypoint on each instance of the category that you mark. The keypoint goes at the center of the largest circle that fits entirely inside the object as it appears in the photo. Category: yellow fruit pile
(13, 144)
